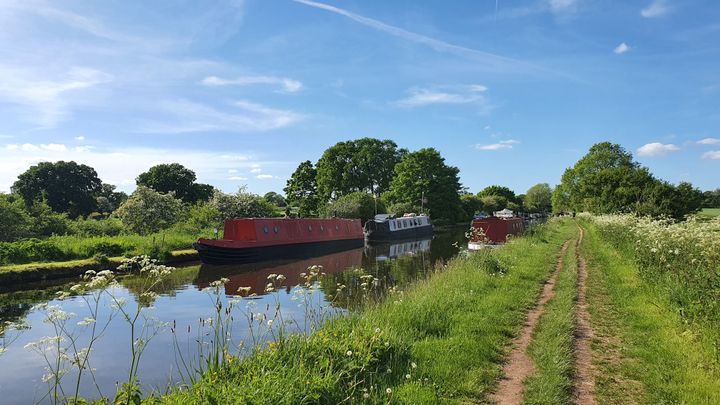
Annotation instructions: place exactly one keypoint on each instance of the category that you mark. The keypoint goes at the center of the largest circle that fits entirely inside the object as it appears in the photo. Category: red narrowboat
(250, 240)
(494, 231)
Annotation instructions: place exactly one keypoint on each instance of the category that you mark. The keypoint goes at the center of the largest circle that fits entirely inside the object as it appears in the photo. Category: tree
(242, 204)
(711, 199)
(425, 173)
(14, 220)
(494, 203)
(148, 211)
(471, 204)
(301, 189)
(365, 164)
(275, 198)
(67, 187)
(354, 205)
(538, 198)
(175, 178)
(500, 191)
(114, 198)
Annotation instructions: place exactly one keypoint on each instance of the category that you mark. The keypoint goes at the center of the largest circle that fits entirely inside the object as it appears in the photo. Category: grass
(644, 352)
(442, 341)
(710, 212)
(552, 345)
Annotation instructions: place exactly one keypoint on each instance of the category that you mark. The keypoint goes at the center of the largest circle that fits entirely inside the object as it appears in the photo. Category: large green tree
(365, 164)
(301, 189)
(175, 178)
(359, 204)
(538, 198)
(275, 198)
(242, 204)
(14, 220)
(67, 187)
(425, 173)
(500, 191)
(113, 198)
(148, 211)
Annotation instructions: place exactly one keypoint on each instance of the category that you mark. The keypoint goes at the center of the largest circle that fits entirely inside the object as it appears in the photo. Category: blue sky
(511, 92)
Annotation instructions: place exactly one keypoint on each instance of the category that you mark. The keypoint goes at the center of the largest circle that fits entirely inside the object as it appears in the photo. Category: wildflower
(377, 330)
(269, 323)
(413, 365)
(389, 391)
(349, 353)
(87, 321)
(407, 376)
(366, 395)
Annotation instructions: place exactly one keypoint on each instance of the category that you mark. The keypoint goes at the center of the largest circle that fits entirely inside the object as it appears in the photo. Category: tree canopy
(365, 164)
(242, 204)
(425, 172)
(538, 198)
(301, 189)
(175, 178)
(148, 211)
(500, 191)
(359, 204)
(275, 198)
(66, 187)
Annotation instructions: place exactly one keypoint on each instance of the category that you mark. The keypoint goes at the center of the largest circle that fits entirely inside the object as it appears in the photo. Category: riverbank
(11, 275)
(442, 340)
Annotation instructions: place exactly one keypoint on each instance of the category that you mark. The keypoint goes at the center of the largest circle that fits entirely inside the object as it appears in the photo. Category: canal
(180, 323)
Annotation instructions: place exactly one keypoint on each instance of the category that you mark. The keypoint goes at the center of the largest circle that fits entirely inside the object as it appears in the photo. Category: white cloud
(490, 59)
(657, 8)
(231, 171)
(235, 178)
(621, 49)
(562, 5)
(80, 138)
(656, 149)
(709, 141)
(112, 164)
(50, 95)
(188, 116)
(264, 176)
(256, 170)
(288, 85)
(419, 97)
(713, 154)
(507, 144)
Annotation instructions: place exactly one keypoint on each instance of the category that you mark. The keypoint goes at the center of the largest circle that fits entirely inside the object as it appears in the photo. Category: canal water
(177, 318)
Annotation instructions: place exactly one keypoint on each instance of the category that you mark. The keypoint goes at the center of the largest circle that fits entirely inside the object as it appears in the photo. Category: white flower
(413, 365)
(389, 391)
(407, 376)
(269, 323)
(349, 353)
(86, 322)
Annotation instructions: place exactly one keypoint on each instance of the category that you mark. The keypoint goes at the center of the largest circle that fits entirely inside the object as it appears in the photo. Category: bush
(147, 211)
(106, 248)
(400, 209)
(30, 250)
(354, 205)
(242, 204)
(97, 227)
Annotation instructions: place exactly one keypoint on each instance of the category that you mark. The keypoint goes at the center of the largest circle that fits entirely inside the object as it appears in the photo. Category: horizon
(243, 91)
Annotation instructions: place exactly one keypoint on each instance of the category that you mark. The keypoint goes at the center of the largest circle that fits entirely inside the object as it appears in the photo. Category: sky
(242, 91)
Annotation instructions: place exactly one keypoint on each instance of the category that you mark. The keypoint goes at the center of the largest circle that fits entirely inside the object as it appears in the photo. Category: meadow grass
(645, 351)
(552, 345)
(710, 212)
(441, 341)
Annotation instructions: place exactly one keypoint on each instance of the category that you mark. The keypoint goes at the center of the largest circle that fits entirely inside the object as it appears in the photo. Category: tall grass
(441, 341)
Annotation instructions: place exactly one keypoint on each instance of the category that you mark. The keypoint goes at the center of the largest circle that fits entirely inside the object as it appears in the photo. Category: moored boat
(249, 240)
(495, 230)
(386, 227)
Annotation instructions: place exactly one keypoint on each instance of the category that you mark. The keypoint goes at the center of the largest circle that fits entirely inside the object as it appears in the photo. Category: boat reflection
(254, 275)
(389, 251)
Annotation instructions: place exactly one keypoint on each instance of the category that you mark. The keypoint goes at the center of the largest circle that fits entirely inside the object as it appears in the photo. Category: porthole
(265, 229)
(276, 229)
(322, 228)
(337, 227)
(310, 228)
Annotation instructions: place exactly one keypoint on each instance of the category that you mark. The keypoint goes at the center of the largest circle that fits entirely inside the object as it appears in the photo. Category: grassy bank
(552, 346)
(441, 341)
(648, 347)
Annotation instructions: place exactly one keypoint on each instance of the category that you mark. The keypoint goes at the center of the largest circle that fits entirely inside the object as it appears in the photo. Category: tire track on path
(584, 384)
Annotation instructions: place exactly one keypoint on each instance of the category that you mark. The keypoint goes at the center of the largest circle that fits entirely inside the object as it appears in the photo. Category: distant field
(710, 212)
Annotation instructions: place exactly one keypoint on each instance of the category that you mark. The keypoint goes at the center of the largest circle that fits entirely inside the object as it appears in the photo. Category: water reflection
(182, 302)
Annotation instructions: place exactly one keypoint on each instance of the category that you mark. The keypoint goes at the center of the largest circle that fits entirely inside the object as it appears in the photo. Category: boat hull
(219, 255)
(382, 235)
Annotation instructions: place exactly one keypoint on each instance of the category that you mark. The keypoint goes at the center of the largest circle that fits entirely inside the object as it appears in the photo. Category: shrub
(354, 205)
(147, 211)
(30, 250)
(399, 209)
(97, 227)
(242, 204)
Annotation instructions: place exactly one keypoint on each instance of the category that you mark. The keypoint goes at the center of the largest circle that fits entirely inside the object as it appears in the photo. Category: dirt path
(584, 384)
(519, 365)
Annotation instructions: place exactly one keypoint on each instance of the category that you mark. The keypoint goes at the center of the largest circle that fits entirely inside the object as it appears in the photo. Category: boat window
(276, 229)
(310, 228)
(392, 225)
(265, 229)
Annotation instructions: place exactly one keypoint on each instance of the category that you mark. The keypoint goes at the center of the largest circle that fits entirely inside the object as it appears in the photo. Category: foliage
(354, 205)
(401, 208)
(203, 215)
(14, 220)
(242, 204)
(425, 173)
(538, 198)
(471, 205)
(175, 178)
(66, 187)
(97, 227)
(112, 199)
(30, 250)
(711, 199)
(301, 189)
(148, 211)
(500, 191)
(607, 180)
(493, 203)
(275, 198)
(365, 164)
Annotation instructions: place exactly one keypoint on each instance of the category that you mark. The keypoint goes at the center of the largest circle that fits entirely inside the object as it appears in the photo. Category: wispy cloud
(656, 149)
(264, 177)
(713, 154)
(563, 5)
(621, 49)
(657, 8)
(51, 98)
(288, 85)
(418, 97)
(709, 141)
(436, 44)
(507, 144)
(246, 116)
